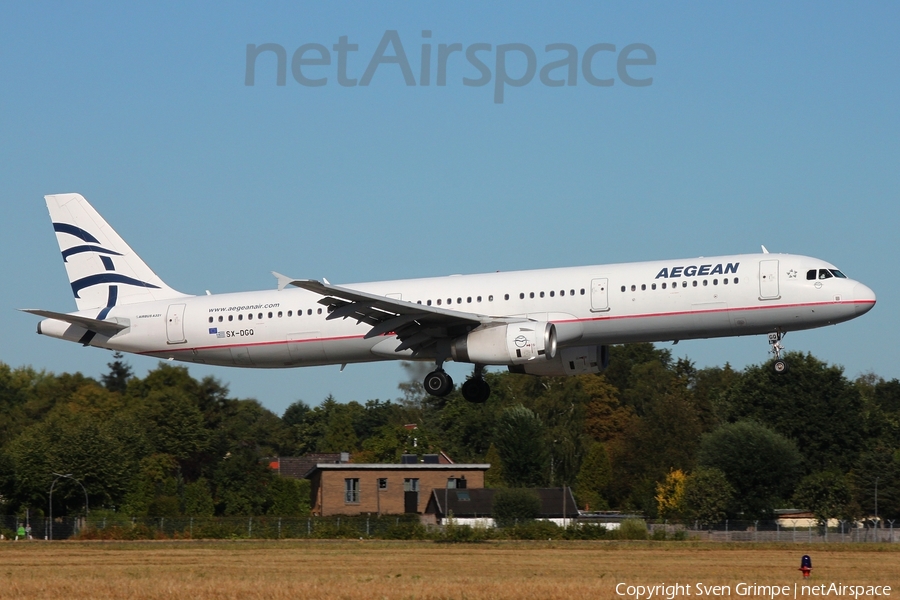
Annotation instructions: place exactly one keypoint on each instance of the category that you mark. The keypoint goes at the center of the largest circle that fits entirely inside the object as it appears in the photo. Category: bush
(631, 529)
(533, 530)
(586, 531)
(453, 533)
(514, 505)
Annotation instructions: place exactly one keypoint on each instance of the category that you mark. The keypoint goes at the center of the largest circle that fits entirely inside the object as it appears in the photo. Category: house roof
(298, 467)
(473, 503)
(398, 467)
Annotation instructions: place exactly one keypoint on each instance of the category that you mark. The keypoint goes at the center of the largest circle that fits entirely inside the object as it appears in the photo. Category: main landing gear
(475, 389)
(780, 364)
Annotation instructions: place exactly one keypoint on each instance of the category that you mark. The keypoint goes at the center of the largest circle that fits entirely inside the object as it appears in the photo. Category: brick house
(352, 489)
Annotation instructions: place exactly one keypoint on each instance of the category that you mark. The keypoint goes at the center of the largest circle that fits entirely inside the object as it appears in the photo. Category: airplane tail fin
(104, 271)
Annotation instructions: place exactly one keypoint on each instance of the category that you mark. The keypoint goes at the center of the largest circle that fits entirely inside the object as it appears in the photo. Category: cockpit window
(825, 274)
(811, 274)
(838, 274)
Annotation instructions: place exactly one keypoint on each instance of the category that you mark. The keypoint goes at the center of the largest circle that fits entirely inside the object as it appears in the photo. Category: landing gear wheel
(476, 390)
(438, 383)
(780, 366)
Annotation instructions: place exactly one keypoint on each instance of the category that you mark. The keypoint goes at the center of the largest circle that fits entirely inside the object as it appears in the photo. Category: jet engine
(579, 360)
(508, 344)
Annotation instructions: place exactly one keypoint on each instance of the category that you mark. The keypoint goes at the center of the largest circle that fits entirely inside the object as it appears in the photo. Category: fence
(409, 527)
(785, 530)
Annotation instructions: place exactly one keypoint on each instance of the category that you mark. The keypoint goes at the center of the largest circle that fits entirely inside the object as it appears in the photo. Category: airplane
(548, 322)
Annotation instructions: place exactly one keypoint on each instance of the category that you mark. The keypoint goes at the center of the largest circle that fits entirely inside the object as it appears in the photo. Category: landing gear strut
(780, 365)
(476, 389)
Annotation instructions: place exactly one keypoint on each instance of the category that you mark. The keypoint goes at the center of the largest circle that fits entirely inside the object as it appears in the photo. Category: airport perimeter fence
(784, 530)
(409, 527)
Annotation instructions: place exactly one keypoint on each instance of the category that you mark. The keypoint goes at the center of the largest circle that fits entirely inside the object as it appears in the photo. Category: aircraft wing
(107, 328)
(416, 325)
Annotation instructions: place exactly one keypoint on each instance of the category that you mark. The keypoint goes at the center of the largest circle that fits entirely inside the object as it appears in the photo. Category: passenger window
(811, 274)
(290, 313)
(438, 301)
(270, 315)
(582, 292)
(449, 301)
(664, 285)
(725, 281)
(695, 283)
(683, 284)
(220, 319)
(308, 311)
(506, 296)
(478, 299)
(428, 303)
(562, 292)
(522, 296)
(531, 295)
(653, 286)
(231, 317)
(459, 300)
(469, 299)
(279, 314)
(715, 282)
(643, 287)
(240, 317)
(491, 298)
(210, 319)
(735, 280)
(319, 311)
(633, 288)
(250, 317)
(542, 294)
(552, 293)
(571, 292)
(705, 282)
(623, 288)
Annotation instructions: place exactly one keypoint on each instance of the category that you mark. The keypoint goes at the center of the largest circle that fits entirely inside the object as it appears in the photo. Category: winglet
(283, 280)
(765, 251)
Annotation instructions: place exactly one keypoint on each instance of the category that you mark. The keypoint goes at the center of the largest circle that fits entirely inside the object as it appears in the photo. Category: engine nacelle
(510, 344)
(580, 360)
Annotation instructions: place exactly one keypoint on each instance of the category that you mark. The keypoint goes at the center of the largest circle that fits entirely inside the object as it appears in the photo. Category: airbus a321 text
(544, 322)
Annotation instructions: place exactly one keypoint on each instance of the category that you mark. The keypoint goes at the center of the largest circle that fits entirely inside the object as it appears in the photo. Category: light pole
(52, 485)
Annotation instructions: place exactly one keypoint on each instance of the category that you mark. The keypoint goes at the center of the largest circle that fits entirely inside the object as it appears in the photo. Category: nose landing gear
(780, 364)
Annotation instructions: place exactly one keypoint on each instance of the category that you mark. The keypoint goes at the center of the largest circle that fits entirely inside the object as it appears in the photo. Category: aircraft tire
(438, 383)
(476, 390)
(780, 366)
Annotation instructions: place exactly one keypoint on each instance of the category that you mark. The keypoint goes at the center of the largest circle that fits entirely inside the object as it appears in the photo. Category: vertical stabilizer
(104, 271)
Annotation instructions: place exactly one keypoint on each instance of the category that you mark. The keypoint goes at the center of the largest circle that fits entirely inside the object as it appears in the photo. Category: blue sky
(766, 123)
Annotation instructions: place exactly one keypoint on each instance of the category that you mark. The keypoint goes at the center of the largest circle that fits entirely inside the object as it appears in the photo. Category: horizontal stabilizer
(107, 328)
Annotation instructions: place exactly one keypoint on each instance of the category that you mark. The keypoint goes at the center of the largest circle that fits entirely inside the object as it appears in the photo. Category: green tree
(827, 494)
(760, 464)
(812, 404)
(514, 505)
(119, 374)
(198, 500)
(592, 482)
(289, 497)
(707, 496)
(520, 442)
(493, 477)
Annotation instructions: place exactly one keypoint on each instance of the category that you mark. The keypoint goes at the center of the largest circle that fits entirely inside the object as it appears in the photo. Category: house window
(351, 491)
(382, 483)
(410, 485)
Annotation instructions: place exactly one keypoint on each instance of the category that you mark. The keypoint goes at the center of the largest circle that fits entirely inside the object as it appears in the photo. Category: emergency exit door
(599, 294)
(175, 324)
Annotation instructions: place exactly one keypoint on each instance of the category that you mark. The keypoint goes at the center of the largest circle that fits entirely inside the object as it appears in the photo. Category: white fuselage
(605, 304)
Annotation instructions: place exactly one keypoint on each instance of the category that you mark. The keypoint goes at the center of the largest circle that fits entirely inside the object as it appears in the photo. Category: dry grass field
(378, 569)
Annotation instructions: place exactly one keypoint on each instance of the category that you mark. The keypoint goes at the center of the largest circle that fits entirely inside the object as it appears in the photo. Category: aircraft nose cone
(864, 298)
